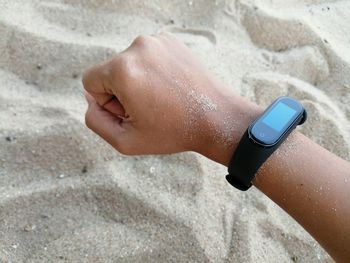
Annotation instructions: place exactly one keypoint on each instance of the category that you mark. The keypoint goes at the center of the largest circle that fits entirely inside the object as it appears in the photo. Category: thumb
(105, 124)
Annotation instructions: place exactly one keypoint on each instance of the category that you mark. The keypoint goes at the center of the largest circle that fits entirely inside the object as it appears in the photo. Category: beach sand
(67, 196)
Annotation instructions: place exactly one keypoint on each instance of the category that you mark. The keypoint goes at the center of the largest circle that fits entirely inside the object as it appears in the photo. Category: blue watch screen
(279, 116)
(276, 121)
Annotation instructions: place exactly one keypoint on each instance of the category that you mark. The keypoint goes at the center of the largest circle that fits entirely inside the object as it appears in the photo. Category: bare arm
(307, 181)
(156, 98)
(311, 184)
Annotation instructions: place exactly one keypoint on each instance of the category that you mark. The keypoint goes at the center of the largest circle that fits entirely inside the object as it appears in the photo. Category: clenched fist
(156, 97)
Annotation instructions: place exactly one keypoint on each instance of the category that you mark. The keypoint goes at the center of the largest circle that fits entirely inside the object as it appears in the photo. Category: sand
(67, 196)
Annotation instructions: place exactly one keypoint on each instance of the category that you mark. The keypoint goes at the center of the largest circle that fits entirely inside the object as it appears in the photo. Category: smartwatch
(262, 138)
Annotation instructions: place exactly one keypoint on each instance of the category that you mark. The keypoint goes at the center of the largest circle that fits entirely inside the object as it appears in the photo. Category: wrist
(226, 125)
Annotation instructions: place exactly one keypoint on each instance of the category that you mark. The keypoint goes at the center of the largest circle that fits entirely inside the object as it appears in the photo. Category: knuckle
(142, 40)
(85, 79)
(119, 63)
(125, 69)
(91, 78)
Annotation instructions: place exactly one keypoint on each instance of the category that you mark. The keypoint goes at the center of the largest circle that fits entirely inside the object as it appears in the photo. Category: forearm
(311, 184)
(162, 100)
(307, 181)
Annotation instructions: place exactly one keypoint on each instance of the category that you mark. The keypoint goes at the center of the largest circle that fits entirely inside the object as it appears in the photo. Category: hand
(155, 97)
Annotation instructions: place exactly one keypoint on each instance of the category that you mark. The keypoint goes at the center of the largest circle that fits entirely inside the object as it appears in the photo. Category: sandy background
(66, 196)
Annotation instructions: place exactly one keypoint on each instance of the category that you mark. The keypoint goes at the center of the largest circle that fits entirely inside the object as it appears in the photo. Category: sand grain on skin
(67, 196)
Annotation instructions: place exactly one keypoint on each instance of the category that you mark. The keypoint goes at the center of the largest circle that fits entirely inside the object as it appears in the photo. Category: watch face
(282, 116)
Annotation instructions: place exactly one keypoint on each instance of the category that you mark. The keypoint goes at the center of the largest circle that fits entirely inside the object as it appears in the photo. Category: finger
(105, 124)
(96, 81)
(89, 98)
(115, 107)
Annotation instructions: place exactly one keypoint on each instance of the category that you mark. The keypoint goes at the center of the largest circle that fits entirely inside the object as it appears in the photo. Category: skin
(157, 98)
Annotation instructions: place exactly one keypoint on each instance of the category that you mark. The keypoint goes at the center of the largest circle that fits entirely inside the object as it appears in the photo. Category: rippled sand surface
(66, 196)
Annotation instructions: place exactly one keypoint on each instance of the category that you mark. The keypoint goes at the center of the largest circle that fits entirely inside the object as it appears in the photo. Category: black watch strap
(246, 161)
(253, 150)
